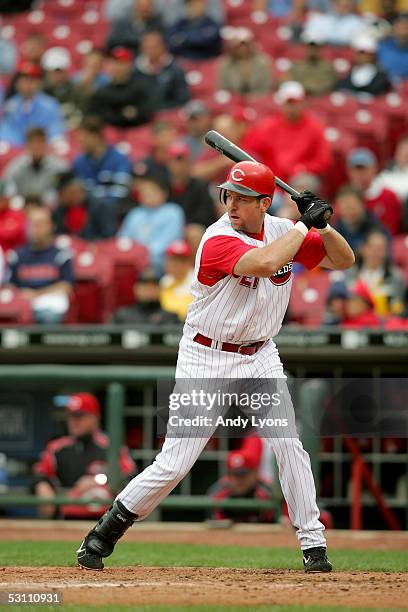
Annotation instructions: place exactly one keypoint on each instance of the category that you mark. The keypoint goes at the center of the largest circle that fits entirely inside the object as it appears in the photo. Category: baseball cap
(366, 43)
(195, 108)
(79, 403)
(337, 290)
(361, 157)
(289, 91)
(30, 69)
(179, 149)
(239, 462)
(237, 34)
(179, 248)
(56, 58)
(361, 290)
(122, 54)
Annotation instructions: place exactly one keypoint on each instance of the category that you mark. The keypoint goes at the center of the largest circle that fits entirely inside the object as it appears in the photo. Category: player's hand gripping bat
(232, 151)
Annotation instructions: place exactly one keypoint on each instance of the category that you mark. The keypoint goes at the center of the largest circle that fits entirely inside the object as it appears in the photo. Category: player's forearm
(265, 261)
(339, 256)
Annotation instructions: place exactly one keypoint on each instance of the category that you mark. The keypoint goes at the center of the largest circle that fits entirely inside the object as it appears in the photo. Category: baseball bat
(232, 151)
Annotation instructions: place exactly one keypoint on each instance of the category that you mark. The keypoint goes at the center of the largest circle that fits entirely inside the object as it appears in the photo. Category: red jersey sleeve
(127, 465)
(219, 256)
(311, 251)
(46, 466)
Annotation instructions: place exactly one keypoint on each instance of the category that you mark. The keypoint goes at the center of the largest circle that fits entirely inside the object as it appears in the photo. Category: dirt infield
(197, 533)
(209, 586)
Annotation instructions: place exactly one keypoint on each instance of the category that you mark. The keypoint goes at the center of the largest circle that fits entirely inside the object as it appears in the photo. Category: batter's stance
(241, 289)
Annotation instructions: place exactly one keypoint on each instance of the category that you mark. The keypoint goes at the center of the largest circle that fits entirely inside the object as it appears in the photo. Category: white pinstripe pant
(178, 455)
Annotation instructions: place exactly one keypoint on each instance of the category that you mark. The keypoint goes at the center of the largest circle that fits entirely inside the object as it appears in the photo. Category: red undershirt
(221, 253)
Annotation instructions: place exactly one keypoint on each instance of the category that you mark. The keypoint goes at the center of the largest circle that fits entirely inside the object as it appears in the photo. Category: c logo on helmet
(238, 174)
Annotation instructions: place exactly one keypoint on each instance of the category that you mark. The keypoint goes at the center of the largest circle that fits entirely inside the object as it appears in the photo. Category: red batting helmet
(251, 179)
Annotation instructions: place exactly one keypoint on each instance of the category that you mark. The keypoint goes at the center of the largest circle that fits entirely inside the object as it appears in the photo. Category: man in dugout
(75, 465)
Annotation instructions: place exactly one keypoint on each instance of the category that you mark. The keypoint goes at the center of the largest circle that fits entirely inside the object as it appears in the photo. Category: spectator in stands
(175, 285)
(374, 268)
(30, 107)
(393, 50)
(173, 10)
(208, 164)
(75, 465)
(78, 213)
(8, 55)
(91, 76)
(71, 211)
(33, 46)
(56, 63)
(157, 70)
(362, 170)
(199, 119)
(156, 222)
(35, 170)
(42, 271)
(395, 176)
(336, 304)
(123, 101)
(242, 481)
(339, 26)
(105, 171)
(169, 10)
(190, 192)
(353, 221)
(147, 308)
(244, 69)
(365, 76)
(282, 203)
(127, 31)
(269, 138)
(196, 36)
(12, 223)
(360, 308)
(316, 74)
(164, 134)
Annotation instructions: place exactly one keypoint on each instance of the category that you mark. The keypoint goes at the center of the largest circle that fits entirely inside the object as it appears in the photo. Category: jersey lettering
(249, 281)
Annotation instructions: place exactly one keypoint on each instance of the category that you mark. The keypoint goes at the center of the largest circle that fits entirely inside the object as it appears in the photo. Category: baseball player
(241, 288)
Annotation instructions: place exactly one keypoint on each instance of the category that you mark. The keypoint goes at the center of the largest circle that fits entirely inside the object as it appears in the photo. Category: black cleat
(87, 559)
(101, 540)
(315, 560)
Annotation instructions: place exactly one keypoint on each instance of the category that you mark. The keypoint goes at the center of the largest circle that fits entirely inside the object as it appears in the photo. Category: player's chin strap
(110, 527)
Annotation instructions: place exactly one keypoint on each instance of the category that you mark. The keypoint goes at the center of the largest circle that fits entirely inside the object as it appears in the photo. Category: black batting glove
(317, 214)
(303, 200)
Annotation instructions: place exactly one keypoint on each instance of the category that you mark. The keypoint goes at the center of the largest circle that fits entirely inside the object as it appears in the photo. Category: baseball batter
(241, 288)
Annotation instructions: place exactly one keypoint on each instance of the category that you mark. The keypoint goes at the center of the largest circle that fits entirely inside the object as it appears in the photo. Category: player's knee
(172, 472)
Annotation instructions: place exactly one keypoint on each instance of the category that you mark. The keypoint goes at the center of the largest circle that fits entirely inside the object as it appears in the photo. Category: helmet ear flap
(223, 196)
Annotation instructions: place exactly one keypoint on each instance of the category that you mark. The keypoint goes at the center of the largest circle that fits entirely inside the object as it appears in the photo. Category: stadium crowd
(107, 185)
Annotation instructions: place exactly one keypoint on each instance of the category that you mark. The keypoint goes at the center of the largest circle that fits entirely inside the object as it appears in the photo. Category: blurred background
(106, 188)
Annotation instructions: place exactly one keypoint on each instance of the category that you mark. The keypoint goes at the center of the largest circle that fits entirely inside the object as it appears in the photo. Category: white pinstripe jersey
(241, 309)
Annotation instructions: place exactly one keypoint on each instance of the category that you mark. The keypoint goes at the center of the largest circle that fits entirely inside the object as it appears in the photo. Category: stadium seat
(93, 289)
(14, 308)
(74, 243)
(308, 298)
(202, 78)
(7, 153)
(129, 259)
(393, 108)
